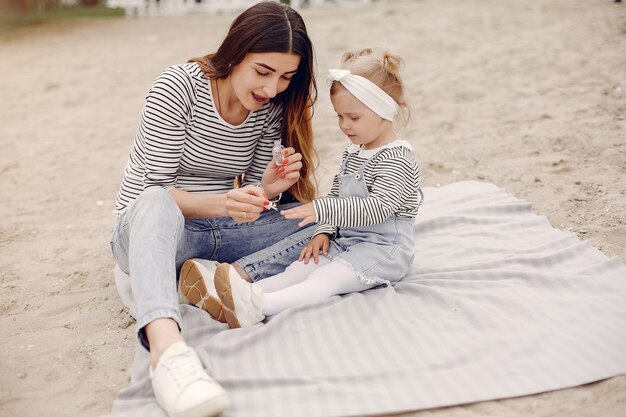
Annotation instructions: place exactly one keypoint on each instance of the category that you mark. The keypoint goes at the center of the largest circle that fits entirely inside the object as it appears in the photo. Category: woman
(205, 125)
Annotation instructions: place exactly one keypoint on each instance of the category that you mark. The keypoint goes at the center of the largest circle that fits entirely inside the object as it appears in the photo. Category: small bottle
(277, 152)
(272, 206)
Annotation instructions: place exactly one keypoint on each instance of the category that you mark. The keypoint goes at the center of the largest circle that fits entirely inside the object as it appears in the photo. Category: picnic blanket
(497, 304)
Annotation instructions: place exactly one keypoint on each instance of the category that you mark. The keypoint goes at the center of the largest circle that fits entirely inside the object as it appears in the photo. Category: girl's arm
(394, 181)
(329, 229)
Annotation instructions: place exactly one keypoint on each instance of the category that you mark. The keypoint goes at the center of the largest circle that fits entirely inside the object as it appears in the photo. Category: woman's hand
(277, 179)
(305, 211)
(313, 248)
(245, 204)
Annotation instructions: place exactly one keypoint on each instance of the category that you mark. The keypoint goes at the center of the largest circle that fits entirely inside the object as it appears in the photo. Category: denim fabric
(276, 258)
(379, 253)
(151, 240)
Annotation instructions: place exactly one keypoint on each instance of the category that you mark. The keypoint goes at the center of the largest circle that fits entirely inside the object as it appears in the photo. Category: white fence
(184, 7)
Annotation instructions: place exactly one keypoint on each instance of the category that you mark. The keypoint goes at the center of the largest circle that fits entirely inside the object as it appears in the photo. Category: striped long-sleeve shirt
(183, 142)
(392, 180)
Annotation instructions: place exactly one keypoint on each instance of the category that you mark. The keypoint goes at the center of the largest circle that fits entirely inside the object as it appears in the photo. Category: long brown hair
(275, 27)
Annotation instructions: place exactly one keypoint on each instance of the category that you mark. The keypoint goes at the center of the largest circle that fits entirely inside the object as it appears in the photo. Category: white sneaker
(242, 300)
(183, 388)
(195, 286)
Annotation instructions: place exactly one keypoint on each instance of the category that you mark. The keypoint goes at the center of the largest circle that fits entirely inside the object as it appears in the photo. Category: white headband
(366, 92)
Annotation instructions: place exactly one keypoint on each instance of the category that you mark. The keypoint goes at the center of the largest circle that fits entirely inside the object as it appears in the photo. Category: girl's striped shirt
(392, 180)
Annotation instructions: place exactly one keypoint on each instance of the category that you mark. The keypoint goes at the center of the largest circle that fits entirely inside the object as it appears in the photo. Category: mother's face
(260, 76)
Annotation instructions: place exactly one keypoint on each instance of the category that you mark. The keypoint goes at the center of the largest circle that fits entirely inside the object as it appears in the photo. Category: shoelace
(187, 369)
(204, 298)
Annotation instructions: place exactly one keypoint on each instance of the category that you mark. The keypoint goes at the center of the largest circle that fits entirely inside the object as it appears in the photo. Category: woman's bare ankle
(242, 273)
(162, 333)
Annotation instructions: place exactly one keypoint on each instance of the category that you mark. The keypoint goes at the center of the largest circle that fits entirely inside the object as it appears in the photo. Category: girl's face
(359, 122)
(260, 76)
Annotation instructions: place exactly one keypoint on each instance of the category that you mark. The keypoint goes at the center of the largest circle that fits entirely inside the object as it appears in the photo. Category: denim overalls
(379, 253)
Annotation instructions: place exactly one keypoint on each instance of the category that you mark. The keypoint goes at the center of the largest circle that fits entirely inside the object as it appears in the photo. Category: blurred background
(17, 13)
(527, 94)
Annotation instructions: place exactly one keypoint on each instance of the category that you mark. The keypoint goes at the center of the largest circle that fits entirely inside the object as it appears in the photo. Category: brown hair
(380, 68)
(275, 27)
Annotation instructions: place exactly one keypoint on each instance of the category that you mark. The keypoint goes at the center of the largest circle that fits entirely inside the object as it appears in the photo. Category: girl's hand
(245, 204)
(313, 248)
(277, 179)
(305, 211)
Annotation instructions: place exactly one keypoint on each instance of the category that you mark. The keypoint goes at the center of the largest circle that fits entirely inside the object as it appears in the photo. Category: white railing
(318, 3)
(185, 7)
(179, 7)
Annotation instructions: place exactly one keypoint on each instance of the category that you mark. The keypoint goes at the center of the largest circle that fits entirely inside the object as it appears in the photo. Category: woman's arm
(274, 179)
(166, 113)
(242, 204)
(168, 109)
(198, 206)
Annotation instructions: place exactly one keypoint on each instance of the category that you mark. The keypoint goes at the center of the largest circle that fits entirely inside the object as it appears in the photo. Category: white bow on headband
(366, 92)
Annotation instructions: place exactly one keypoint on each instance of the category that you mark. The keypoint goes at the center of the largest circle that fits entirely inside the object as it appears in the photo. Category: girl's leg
(295, 273)
(334, 278)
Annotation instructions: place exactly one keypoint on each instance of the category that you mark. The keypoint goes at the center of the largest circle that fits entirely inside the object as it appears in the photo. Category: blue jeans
(151, 240)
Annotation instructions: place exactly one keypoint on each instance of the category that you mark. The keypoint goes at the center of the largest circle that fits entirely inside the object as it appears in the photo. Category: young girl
(365, 226)
(205, 124)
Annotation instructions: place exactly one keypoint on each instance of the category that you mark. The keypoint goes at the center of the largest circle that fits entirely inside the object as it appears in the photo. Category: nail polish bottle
(277, 152)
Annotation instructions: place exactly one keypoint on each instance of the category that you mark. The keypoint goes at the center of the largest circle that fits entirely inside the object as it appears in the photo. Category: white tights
(304, 283)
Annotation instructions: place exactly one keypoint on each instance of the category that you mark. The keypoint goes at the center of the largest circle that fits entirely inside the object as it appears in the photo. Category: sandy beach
(528, 95)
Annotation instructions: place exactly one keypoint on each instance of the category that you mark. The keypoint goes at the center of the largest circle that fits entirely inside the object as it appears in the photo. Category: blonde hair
(383, 70)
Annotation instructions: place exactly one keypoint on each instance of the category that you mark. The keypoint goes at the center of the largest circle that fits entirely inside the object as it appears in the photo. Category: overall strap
(344, 163)
(361, 171)
(421, 199)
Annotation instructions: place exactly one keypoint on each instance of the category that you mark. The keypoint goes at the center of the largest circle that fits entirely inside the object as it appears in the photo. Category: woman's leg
(273, 259)
(237, 240)
(333, 278)
(145, 244)
(225, 240)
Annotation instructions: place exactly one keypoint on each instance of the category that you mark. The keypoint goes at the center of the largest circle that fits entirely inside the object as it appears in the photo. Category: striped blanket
(497, 304)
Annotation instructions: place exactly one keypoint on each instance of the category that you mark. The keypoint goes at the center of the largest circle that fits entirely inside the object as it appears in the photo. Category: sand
(529, 95)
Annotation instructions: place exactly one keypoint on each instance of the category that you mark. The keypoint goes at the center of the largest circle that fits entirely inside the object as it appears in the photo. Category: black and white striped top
(183, 142)
(392, 179)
